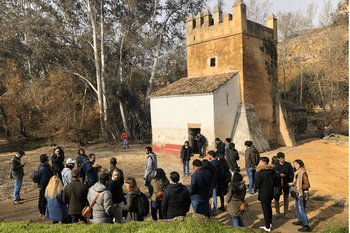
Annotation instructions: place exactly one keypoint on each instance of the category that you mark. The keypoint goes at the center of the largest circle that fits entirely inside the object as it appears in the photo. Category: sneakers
(277, 215)
(298, 223)
(305, 228)
(286, 215)
(16, 202)
(265, 229)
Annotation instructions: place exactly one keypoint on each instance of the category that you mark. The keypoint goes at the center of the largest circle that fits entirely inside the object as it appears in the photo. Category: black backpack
(142, 205)
(35, 175)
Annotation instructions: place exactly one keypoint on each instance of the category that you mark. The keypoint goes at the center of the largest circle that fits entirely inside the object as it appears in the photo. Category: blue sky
(283, 6)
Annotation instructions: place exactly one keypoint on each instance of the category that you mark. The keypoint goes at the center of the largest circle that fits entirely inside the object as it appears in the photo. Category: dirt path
(327, 165)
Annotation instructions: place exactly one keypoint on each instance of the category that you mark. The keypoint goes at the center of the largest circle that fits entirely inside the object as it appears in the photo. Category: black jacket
(220, 149)
(117, 191)
(75, 195)
(186, 153)
(45, 174)
(176, 201)
(16, 168)
(200, 183)
(266, 181)
(232, 158)
(57, 163)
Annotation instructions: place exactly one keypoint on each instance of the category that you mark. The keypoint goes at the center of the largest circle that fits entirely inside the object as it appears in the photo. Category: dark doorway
(192, 138)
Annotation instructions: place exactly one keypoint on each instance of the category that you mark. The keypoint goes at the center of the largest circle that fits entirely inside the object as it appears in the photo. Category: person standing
(266, 181)
(150, 169)
(113, 166)
(202, 143)
(185, 155)
(67, 172)
(159, 183)
(125, 140)
(252, 158)
(45, 174)
(220, 147)
(199, 188)
(302, 184)
(103, 210)
(81, 158)
(57, 159)
(176, 199)
(287, 174)
(91, 170)
(235, 196)
(231, 157)
(217, 182)
(17, 173)
(75, 195)
(56, 210)
(227, 142)
(117, 194)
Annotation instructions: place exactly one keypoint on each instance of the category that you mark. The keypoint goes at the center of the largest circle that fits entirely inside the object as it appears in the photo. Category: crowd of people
(65, 191)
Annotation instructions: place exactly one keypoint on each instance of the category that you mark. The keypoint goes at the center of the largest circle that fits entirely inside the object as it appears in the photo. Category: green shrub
(318, 198)
(336, 230)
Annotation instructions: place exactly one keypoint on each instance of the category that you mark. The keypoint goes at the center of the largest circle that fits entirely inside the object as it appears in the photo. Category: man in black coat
(265, 182)
(75, 195)
(217, 182)
(220, 147)
(57, 159)
(176, 199)
(17, 173)
(45, 174)
(117, 193)
(202, 143)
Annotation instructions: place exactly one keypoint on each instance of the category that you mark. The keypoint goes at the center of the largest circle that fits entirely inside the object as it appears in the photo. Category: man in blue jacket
(45, 174)
(91, 169)
(199, 189)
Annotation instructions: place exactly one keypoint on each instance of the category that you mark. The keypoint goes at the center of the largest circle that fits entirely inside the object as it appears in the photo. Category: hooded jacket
(66, 176)
(151, 166)
(176, 201)
(266, 181)
(103, 210)
(131, 206)
(16, 167)
(252, 157)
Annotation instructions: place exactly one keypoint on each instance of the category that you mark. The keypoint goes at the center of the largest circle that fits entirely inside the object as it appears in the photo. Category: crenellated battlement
(208, 27)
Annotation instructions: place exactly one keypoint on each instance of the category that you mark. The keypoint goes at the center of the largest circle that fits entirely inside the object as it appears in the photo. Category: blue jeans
(237, 221)
(17, 189)
(75, 218)
(154, 207)
(186, 164)
(125, 143)
(215, 201)
(200, 207)
(300, 209)
(251, 173)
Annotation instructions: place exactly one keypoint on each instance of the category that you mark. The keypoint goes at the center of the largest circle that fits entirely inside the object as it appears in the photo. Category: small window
(226, 98)
(194, 37)
(212, 62)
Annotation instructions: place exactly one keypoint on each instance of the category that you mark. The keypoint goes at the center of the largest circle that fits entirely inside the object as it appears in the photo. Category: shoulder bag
(86, 212)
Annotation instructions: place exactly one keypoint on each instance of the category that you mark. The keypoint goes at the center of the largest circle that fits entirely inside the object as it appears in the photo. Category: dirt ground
(327, 163)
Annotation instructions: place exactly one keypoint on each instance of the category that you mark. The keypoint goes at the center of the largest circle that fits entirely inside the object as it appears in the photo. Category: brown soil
(326, 162)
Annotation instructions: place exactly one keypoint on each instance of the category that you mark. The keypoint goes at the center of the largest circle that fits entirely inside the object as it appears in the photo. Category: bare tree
(258, 11)
(325, 17)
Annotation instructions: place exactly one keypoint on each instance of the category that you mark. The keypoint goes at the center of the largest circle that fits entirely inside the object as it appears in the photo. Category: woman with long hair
(301, 184)
(131, 205)
(159, 184)
(56, 210)
(81, 158)
(185, 155)
(235, 196)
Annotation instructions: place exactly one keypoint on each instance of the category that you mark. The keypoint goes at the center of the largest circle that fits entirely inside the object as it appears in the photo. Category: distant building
(231, 88)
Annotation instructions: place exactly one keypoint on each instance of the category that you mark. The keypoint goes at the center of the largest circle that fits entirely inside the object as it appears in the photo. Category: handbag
(294, 192)
(86, 212)
(243, 206)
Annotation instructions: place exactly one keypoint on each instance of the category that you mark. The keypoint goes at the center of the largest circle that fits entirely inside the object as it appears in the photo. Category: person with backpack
(136, 204)
(266, 181)
(252, 158)
(44, 174)
(159, 183)
(81, 158)
(176, 199)
(185, 155)
(56, 210)
(150, 169)
(17, 173)
(235, 197)
(103, 209)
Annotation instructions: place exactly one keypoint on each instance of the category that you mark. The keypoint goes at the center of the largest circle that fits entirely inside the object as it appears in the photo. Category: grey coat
(16, 168)
(103, 210)
(151, 166)
(131, 206)
(66, 176)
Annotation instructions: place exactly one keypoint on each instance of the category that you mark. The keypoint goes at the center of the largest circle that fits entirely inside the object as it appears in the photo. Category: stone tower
(223, 43)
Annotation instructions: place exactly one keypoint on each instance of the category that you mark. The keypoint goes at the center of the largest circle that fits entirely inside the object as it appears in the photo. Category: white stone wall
(170, 117)
(226, 102)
